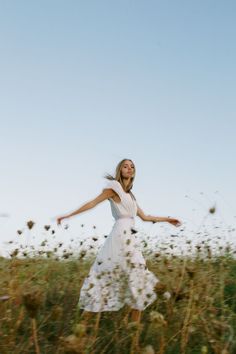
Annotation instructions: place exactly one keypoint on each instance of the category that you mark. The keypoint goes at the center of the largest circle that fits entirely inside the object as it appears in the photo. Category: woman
(119, 274)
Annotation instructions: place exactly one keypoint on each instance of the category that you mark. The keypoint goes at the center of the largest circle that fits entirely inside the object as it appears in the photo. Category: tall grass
(39, 312)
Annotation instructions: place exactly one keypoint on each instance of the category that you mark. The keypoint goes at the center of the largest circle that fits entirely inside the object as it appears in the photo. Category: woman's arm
(106, 194)
(155, 219)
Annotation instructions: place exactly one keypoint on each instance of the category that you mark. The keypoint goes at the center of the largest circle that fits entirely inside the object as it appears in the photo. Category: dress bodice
(127, 207)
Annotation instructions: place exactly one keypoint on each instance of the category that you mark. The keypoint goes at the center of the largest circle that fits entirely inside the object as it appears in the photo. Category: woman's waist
(125, 217)
(126, 220)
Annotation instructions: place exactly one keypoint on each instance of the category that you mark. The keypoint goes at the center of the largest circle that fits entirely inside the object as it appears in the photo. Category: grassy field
(39, 313)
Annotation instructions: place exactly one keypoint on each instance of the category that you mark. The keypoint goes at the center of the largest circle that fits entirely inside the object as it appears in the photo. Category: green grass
(39, 310)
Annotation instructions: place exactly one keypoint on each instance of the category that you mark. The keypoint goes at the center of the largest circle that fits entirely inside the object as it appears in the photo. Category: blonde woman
(119, 274)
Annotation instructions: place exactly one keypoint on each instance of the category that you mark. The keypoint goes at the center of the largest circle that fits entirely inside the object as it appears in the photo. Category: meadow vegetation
(195, 310)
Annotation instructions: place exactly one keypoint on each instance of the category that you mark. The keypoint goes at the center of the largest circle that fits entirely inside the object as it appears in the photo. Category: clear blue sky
(87, 83)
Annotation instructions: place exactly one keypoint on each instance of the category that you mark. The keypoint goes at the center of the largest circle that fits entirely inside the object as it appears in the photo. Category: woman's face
(127, 169)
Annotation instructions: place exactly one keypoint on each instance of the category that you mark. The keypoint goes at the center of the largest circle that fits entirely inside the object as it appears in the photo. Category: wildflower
(57, 312)
(204, 349)
(79, 329)
(82, 254)
(212, 210)
(4, 297)
(190, 272)
(148, 350)
(192, 329)
(66, 255)
(71, 343)
(30, 224)
(14, 253)
(49, 254)
(160, 288)
(167, 295)
(157, 317)
(32, 300)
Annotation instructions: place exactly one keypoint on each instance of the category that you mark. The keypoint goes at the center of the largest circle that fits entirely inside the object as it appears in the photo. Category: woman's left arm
(155, 219)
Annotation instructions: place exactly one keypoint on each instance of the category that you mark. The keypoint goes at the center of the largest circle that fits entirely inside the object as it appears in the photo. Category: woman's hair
(118, 177)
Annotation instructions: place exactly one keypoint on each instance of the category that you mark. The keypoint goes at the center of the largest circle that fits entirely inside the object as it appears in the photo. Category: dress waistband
(133, 230)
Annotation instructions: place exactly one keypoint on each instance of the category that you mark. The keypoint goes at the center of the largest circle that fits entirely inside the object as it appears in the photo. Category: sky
(85, 84)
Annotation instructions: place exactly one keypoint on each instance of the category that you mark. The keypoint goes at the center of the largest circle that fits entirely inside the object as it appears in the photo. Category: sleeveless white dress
(119, 274)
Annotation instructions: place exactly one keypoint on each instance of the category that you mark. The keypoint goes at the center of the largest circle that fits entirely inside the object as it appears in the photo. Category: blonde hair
(118, 177)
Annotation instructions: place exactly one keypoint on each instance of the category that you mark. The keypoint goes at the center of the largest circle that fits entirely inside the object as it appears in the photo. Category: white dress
(119, 274)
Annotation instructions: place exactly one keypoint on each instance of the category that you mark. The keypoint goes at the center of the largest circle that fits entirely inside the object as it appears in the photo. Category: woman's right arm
(106, 194)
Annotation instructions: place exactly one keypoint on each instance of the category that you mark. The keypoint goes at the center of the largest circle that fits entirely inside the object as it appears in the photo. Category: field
(39, 312)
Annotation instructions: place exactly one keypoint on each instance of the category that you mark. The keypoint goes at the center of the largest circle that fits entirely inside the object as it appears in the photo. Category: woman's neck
(126, 182)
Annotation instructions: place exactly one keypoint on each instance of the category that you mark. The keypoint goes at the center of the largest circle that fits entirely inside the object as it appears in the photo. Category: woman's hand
(174, 222)
(59, 219)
